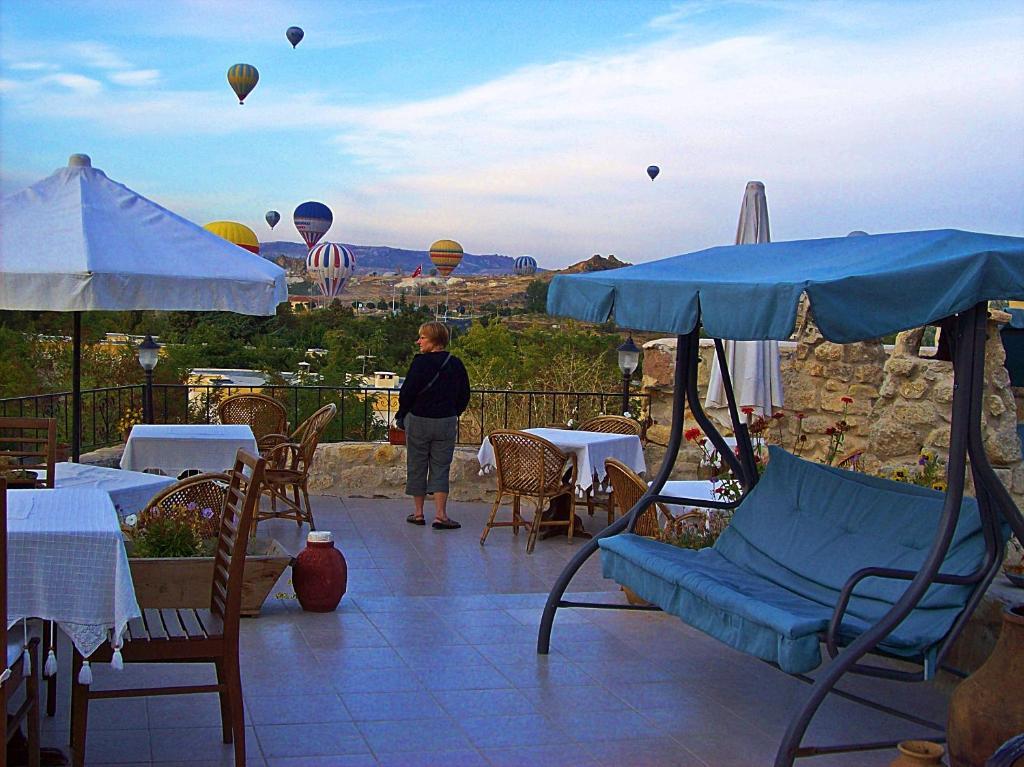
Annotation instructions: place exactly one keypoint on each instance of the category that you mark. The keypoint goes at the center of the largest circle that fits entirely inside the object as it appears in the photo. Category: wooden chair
(13, 674)
(530, 467)
(288, 464)
(264, 415)
(189, 635)
(29, 444)
(607, 424)
(627, 487)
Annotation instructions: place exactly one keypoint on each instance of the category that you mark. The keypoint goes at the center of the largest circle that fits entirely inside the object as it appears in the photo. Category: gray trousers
(429, 449)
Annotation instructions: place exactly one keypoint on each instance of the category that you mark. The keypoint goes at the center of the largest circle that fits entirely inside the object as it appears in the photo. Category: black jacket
(449, 394)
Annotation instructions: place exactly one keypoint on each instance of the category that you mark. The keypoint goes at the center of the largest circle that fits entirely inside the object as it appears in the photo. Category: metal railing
(363, 412)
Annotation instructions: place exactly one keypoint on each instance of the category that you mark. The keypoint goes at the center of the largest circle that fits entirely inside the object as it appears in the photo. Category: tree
(537, 296)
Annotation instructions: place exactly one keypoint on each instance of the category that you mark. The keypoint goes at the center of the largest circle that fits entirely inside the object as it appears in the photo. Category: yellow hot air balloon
(236, 233)
(243, 78)
(445, 255)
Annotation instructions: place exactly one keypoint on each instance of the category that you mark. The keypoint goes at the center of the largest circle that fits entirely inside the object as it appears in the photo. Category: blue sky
(526, 127)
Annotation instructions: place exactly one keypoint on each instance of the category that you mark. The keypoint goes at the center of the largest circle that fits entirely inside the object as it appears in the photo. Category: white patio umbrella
(753, 365)
(78, 241)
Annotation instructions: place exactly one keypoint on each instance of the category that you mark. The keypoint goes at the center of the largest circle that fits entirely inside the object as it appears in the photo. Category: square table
(175, 448)
(130, 491)
(67, 564)
(591, 449)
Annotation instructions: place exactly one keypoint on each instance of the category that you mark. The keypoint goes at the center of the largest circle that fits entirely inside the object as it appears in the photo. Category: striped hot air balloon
(239, 234)
(446, 256)
(243, 78)
(329, 266)
(312, 220)
(524, 266)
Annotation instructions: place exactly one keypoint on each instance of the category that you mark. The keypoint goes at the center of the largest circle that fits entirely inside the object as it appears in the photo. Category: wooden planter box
(185, 581)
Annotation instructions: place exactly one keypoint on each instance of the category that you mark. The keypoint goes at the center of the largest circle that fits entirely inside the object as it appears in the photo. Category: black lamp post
(149, 355)
(629, 358)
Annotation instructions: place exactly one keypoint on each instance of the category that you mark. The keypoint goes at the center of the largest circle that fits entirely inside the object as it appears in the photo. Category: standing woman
(432, 397)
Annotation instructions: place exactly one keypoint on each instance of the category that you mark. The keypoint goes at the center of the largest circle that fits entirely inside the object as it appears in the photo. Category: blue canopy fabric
(859, 287)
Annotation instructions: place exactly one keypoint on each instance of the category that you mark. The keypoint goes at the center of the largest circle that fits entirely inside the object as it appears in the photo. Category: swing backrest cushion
(808, 527)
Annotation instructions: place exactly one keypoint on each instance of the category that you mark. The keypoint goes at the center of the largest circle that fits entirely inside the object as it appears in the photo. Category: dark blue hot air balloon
(272, 218)
(295, 35)
(653, 171)
(524, 266)
(312, 219)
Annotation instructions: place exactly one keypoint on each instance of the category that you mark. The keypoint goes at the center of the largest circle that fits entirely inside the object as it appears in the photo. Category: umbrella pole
(76, 388)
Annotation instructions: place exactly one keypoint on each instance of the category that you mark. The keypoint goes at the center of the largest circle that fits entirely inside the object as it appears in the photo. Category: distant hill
(595, 263)
(380, 258)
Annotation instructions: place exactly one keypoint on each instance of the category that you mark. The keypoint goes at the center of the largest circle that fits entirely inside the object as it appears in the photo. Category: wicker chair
(288, 464)
(264, 415)
(29, 444)
(530, 467)
(13, 674)
(627, 487)
(198, 494)
(186, 635)
(607, 424)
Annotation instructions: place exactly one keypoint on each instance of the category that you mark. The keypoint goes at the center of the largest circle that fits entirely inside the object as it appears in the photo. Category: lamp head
(149, 353)
(629, 356)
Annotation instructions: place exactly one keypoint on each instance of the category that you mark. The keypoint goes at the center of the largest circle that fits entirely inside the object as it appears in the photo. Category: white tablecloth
(698, 489)
(178, 447)
(67, 564)
(591, 449)
(130, 491)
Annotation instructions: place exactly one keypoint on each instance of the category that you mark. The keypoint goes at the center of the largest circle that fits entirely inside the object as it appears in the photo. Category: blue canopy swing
(817, 555)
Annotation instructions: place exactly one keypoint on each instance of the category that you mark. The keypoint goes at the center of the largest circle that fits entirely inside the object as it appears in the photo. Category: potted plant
(170, 554)
(17, 477)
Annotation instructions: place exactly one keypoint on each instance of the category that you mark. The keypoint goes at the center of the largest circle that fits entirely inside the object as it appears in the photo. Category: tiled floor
(430, 660)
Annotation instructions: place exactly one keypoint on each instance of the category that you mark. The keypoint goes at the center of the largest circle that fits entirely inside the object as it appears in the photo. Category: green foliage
(537, 296)
(168, 537)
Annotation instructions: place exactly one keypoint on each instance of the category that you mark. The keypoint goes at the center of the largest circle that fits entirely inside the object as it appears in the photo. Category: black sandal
(445, 524)
(412, 519)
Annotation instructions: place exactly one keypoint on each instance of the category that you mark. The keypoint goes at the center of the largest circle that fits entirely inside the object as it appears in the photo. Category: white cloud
(98, 55)
(80, 84)
(136, 77)
(30, 66)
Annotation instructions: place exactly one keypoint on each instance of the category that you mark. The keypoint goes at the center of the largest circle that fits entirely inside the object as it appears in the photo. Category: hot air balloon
(272, 218)
(295, 35)
(445, 255)
(329, 266)
(524, 266)
(239, 234)
(312, 220)
(653, 171)
(243, 78)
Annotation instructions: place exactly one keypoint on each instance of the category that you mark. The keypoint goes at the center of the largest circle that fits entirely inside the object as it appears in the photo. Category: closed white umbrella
(753, 365)
(77, 241)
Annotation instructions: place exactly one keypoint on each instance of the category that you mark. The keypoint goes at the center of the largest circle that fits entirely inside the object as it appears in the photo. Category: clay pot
(987, 708)
(918, 753)
(319, 574)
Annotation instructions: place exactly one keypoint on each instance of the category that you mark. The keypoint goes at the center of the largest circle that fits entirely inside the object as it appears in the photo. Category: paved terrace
(430, 660)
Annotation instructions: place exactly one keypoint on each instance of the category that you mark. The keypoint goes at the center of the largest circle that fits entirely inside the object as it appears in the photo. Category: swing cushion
(769, 585)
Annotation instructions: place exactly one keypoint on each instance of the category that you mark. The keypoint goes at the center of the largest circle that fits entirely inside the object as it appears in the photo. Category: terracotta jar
(918, 753)
(319, 574)
(987, 708)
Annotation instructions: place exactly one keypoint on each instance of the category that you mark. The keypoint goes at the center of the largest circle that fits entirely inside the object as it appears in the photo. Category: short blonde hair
(436, 332)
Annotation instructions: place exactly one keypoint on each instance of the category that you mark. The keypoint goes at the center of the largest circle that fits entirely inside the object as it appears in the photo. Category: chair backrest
(612, 424)
(240, 503)
(30, 444)
(200, 497)
(264, 415)
(627, 487)
(309, 433)
(528, 464)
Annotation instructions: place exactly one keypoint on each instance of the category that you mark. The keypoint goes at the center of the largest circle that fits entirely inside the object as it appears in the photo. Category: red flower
(747, 410)
(692, 435)
(830, 430)
(801, 416)
(846, 400)
(778, 415)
